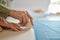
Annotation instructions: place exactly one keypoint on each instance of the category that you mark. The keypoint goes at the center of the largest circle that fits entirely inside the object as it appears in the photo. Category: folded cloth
(47, 30)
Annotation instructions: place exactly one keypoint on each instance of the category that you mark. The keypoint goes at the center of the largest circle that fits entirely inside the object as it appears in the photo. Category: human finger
(1, 29)
(30, 18)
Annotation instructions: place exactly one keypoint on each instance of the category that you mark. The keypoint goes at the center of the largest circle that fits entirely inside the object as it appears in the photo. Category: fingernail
(16, 30)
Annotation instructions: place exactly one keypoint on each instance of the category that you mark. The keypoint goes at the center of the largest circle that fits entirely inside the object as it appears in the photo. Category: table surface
(11, 35)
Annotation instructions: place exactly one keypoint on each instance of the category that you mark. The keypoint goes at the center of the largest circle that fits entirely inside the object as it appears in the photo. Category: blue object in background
(47, 30)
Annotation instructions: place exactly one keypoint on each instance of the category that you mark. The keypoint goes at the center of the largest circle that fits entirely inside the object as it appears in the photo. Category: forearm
(4, 11)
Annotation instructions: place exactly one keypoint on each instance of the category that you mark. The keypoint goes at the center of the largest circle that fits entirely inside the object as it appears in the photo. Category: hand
(23, 16)
(5, 24)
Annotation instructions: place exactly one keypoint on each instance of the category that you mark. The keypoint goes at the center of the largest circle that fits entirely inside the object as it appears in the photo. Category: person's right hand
(23, 16)
(5, 24)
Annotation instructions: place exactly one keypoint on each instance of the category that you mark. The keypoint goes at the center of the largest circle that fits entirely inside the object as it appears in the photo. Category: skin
(22, 16)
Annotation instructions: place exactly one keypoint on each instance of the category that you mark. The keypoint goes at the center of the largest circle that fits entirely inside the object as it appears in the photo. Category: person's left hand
(22, 16)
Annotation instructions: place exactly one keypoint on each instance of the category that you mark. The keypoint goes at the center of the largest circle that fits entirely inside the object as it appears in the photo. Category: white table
(11, 35)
